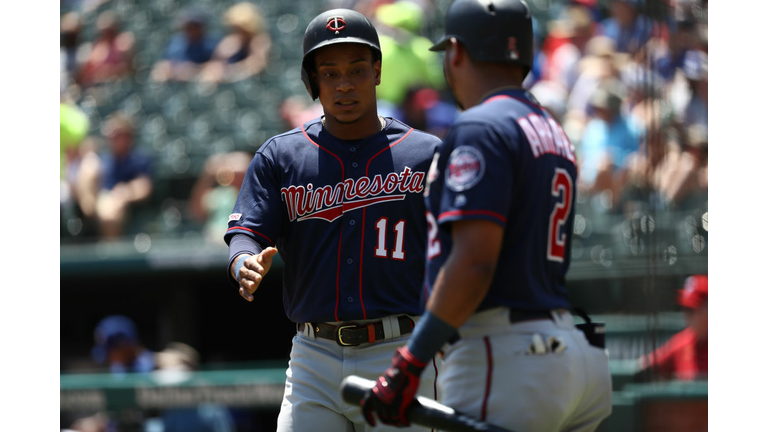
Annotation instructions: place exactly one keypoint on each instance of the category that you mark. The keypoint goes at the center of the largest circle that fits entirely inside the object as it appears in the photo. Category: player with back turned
(341, 199)
(500, 197)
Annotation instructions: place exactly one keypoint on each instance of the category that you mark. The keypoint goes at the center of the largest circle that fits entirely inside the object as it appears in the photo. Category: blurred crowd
(119, 350)
(630, 87)
(626, 78)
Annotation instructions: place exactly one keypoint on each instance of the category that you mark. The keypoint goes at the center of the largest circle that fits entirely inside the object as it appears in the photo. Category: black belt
(353, 334)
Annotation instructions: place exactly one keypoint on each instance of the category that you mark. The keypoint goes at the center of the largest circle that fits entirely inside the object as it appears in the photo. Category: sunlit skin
(346, 78)
(449, 80)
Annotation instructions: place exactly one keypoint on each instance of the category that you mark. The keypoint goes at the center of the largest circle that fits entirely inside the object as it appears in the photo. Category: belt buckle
(338, 335)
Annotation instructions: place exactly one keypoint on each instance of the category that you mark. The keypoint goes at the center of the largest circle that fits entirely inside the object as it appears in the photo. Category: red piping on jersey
(325, 150)
(487, 377)
(471, 213)
(255, 232)
(338, 271)
(362, 231)
(338, 257)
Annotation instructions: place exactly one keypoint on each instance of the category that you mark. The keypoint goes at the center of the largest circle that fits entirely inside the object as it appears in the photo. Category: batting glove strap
(394, 390)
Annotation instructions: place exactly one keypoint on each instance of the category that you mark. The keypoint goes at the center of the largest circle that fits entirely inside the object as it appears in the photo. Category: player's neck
(481, 93)
(500, 89)
(360, 129)
(490, 78)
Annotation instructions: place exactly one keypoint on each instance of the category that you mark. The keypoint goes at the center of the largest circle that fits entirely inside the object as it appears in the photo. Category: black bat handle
(423, 411)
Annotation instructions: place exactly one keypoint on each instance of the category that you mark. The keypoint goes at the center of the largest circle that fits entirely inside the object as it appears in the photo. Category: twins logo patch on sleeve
(466, 167)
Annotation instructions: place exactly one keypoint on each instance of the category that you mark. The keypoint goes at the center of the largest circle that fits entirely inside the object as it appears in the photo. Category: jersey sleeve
(662, 359)
(476, 178)
(257, 211)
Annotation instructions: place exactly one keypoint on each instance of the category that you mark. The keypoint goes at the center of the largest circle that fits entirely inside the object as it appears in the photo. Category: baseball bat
(423, 411)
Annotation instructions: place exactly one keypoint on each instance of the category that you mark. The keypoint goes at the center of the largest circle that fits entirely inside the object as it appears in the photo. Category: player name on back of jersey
(330, 202)
(545, 136)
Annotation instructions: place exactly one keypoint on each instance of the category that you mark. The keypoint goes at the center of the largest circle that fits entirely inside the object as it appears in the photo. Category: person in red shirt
(684, 356)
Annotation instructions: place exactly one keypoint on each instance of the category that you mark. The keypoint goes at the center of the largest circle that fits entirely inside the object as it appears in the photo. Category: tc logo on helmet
(336, 24)
(512, 48)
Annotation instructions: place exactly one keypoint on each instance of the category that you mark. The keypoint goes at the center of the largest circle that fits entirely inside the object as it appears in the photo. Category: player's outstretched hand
(253, 271)
(394, 390)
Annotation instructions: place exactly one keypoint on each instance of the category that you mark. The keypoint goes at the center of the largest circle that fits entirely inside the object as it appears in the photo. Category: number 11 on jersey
(381, 230)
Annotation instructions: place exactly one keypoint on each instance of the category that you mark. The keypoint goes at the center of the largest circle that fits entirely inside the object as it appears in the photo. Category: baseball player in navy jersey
(500, 197)
(341, 199)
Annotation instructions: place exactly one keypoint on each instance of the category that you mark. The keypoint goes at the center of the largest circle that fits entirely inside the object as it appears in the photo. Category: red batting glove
(394, 390)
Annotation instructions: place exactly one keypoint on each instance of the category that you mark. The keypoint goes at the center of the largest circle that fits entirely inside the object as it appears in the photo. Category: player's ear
(454, 52)
(377, 71)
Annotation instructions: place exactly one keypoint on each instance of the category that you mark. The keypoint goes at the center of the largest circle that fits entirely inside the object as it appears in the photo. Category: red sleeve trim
(271, 243)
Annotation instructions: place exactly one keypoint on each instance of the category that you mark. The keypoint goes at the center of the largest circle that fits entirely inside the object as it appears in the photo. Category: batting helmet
(491, 30)
(331, 27)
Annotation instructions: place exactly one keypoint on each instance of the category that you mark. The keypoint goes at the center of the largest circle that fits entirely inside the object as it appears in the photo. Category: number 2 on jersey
(562, 190)
(381, 248)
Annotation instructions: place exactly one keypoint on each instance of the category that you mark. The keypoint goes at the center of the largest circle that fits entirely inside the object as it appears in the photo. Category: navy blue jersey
(347, 219)
(507, 161)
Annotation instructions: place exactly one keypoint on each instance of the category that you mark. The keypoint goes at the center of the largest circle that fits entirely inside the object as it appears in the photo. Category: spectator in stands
(297, 110)
(684, 357)
(73, 131)
(98, 422)
(179, 358)
(599, 64)
(188, 50)
(119, 346)
(670, 52)
(644, 87)
(406, 59)
(552, 96)
(424, 109)
(609, 138)
(215, 192)
(565, 45)
(626, 26)
(73, 54)
(111, 55)
(695, 68)
(683, 176)
(109, 186)
(244, 51)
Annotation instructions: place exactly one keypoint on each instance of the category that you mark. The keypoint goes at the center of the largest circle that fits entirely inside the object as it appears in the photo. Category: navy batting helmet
(491, 30)
(336, 26)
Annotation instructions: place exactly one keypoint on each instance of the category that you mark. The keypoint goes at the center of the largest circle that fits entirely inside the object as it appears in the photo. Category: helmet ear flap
(309, 83)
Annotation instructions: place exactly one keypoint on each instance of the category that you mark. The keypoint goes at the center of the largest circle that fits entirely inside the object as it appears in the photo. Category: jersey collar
(509, 91)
